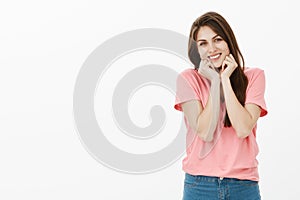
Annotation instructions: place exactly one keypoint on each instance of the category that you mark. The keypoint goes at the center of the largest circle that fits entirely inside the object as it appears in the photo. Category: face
(212, 46)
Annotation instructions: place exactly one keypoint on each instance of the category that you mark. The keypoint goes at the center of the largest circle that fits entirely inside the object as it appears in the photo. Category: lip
(214, 57)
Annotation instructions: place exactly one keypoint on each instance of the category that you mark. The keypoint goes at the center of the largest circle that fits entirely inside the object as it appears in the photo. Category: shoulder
(254, 73)
(191, 75)
(188, 72)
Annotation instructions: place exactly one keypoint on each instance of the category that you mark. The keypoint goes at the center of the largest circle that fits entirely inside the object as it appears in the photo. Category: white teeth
(213, 57)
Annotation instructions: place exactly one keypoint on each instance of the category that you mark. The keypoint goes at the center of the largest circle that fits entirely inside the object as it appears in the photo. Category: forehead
(205, 32)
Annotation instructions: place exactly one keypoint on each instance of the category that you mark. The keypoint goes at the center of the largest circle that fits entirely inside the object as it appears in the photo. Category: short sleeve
(188, 87)
(256, 90)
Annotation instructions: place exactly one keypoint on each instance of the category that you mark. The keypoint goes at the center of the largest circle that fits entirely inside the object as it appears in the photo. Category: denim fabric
(215, 188)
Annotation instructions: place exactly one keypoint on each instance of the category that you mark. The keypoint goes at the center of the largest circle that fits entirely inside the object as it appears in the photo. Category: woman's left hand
(231, 64)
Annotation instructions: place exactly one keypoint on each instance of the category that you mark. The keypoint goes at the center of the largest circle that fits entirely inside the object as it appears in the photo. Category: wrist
(215, 79)
(224, 79)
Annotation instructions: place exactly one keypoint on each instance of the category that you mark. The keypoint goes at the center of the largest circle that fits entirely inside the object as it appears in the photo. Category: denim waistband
(217, 179)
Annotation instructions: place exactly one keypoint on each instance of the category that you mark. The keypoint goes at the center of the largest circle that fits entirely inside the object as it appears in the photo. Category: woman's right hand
(207, 70)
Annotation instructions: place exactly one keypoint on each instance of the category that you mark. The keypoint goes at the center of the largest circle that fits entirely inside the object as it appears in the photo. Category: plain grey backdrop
(42, 47)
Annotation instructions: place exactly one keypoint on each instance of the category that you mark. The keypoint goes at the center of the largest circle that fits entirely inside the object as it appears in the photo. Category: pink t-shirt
(230, 157)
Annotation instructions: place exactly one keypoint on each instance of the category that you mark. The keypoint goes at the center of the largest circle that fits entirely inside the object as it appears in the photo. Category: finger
(204, 61)
(204, 58)
(233, 60)
(229, 59)
(210, 64)
(228, 64)
(223, 65)
(206, 64)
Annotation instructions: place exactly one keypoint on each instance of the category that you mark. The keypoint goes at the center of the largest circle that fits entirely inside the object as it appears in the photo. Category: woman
(221, 101)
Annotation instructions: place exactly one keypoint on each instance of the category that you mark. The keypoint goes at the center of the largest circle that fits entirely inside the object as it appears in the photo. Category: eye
(218, 39)
(202, 43)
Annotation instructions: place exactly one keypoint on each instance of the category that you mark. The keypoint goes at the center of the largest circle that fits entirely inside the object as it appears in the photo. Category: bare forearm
(208, 119)
(240, 118)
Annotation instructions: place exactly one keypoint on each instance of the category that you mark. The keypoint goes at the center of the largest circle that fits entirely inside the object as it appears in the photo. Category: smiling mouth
(213, 57)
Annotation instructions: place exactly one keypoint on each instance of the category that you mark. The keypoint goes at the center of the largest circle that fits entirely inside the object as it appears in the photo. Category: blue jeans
(215, 188)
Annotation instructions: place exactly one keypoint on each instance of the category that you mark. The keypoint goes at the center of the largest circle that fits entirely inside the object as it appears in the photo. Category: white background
(42, 47)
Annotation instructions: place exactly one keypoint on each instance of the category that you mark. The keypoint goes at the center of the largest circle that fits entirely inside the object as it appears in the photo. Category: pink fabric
(228, 155)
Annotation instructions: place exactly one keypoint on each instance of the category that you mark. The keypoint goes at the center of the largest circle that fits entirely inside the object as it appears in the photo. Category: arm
(204, 121)
(243, 118)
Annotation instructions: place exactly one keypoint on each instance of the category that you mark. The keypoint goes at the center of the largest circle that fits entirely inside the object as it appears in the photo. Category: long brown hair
(220, 26)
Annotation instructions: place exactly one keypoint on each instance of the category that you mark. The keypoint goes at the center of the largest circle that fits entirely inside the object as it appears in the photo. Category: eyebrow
(205, 40)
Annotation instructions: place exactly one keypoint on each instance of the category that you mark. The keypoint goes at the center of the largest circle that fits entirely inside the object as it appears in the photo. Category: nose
(211, 47)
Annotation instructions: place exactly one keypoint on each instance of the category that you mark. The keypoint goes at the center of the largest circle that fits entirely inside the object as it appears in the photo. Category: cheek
(226, 49)
(202, 52)
(227, 52)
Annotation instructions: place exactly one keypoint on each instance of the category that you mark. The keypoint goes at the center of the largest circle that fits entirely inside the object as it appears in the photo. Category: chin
(218, 66)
